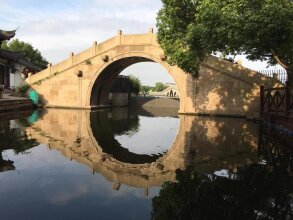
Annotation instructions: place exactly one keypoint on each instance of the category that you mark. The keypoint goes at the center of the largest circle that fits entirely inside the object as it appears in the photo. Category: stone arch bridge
(84, 80)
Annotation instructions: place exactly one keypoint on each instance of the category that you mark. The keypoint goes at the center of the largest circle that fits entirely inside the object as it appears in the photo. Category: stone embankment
(10, 103)
(155, 102)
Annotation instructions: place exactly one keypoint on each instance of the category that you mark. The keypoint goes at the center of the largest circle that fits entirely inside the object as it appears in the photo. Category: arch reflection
(107, 124)
(208, 143)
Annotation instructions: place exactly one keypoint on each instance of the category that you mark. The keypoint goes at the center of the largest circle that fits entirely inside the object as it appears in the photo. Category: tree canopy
(190, 30)
(145, 89)
(159, 86)
(31, 54)
(135, 84)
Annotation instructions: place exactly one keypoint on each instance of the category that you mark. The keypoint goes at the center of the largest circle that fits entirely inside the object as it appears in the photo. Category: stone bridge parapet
(84, 80)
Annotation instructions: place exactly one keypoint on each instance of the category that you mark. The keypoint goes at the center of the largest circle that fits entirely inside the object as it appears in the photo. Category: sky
(59, 27)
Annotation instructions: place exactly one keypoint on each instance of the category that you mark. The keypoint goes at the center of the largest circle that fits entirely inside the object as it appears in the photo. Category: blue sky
(58, 27)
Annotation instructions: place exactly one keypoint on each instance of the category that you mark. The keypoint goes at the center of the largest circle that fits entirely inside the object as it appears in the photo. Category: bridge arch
(220, 88)
(80, 80)
(101, 81)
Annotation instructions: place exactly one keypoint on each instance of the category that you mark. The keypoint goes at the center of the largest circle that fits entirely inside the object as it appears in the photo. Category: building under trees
(14, 68)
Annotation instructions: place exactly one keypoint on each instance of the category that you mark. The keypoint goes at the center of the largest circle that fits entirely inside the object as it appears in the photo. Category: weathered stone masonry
(83, 80)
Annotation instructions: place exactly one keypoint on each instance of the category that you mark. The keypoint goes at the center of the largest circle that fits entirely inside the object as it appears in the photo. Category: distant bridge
(170, 91)
(84, 80)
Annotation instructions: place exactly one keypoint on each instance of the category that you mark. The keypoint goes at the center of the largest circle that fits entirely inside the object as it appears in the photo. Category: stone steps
(15, 104)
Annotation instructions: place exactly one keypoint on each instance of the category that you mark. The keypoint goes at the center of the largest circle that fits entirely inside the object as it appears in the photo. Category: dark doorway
(1, 75)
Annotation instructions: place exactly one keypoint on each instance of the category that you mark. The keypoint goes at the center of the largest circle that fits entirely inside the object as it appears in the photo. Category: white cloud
(72, 26)
(57, 28)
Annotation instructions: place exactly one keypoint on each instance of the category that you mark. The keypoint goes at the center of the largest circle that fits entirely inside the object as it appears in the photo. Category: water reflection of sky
(154, 136)
(47, 186)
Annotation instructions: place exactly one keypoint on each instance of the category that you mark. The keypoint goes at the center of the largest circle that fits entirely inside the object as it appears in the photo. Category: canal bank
(10, 103)
(155, 102)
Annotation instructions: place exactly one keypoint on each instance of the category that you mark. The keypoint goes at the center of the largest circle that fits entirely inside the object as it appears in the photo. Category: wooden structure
(277, 106)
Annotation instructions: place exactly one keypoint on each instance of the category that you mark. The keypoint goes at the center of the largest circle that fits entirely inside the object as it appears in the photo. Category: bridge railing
(135, 40)
(277, 106)
(281, 74)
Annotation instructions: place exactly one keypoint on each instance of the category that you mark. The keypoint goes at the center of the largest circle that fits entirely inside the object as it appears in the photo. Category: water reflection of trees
(105, 125)
(276, 147)
(257, 191)
(13, 137)
(122, 121)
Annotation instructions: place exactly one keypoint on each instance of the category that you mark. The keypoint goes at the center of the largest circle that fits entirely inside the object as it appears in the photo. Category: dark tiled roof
(18, 57)
(6, 35)
(11, 55)
(29, 65)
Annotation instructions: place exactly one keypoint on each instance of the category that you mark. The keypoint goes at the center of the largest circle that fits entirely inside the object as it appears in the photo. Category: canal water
(141, 164)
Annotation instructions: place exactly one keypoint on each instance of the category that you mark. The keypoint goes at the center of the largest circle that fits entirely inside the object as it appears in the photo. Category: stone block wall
(220, 88)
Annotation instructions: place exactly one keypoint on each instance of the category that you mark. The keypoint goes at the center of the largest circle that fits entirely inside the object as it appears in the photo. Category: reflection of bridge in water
(88, 137)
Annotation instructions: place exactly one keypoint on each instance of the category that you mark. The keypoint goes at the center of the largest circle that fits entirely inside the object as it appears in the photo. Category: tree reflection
(105, 125)
(5, 165)
(13, 137)
(257, 191)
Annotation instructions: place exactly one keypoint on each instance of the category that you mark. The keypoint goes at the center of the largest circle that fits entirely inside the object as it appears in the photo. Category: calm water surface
(141, 164)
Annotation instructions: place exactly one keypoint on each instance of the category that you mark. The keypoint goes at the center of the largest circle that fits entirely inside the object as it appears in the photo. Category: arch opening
(119, 132)
(103, 84)
(106, 77)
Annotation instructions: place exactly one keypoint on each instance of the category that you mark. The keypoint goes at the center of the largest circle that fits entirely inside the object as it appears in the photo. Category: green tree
(31, 54)
(190, 30)
(145, 89)
(159, 86)
(135, 84)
